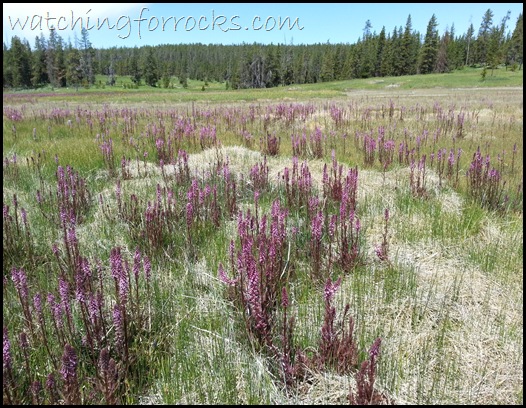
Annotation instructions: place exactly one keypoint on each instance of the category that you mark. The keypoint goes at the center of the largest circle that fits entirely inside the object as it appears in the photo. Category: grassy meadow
(349, 242)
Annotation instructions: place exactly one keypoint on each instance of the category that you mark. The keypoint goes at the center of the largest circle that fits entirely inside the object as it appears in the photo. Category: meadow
(349, 242)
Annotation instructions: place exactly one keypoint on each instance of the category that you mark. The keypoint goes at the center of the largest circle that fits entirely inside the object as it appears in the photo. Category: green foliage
(483, 74)
(166, 81)
(399, 53)
(150, 70)
(428, 54)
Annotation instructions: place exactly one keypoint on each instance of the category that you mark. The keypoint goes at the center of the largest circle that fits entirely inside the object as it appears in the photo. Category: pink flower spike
(224, 278)
(331, 288)
(284, 297)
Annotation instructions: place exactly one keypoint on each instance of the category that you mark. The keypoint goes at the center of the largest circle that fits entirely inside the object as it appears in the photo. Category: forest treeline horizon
(401, 51)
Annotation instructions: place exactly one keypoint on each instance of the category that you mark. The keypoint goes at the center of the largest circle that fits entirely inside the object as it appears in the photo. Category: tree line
(402, 51)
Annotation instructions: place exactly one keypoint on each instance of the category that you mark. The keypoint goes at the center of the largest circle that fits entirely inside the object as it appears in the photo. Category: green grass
(217, 92)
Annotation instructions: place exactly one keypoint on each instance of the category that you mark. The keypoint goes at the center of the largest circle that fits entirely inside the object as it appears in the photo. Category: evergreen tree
(272, 77)
(135, 71)
(314, 66)
(6, 64)
(60, 63)
(300, 68)
(398, 62)
(388, 60)
(368, 52)
(111, 71)
(442, 63)
(496, 46)
(470, 39)
(50, 59)
(483, 38)
(150, 71)
(339, 60)
(245, 77)
(74, 73)
(166, 80)
(183, 79)
(38, 69)
(351, 66)
(287, 73)
(20, 63)
(234, 78)
(87, 57)
(429, 52)
(454, 52)
(515, 49)
(327, 67)
(407, 54)
(380, 51)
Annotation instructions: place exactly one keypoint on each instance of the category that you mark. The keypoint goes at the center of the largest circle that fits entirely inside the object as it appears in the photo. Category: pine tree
(74, 73)
(300, 68)
(272, 75)
(470, 39)
(7, 73)
(339, 60)
(429, 51)
(407, 54)
(244, 68)
(368, 52)
(483, 38)
(87, 57)
(380, 51)
(496, 46)
(111, 71)
(60, 63)
(327, 67)
(21, 63)
(135, 71)
(515, 49)
(150, 71)
(387, 67)
(287, 73)
(50, 59)
(442, 63)
(38, 68)
(454, 50)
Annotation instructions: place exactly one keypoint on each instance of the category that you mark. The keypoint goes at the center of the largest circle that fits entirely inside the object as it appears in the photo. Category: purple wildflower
(284, 297)
(317, 226)
(69, 364)
(224, 278)
(50, 382)
(23, 340)
(118, 321)
(37, 303)
(136, 263)
(20, 280)
(375, 349)
(6, 351)
(56, 309)
(147, 267)
(331, 288)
